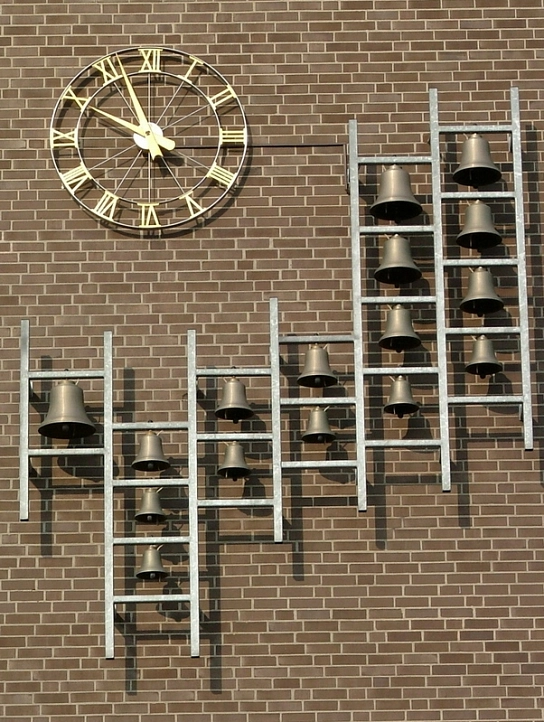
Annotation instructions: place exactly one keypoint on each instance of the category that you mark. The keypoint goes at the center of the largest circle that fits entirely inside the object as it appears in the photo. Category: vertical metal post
(275, 404)
(24, 401)
(358, 348)
(441, 346)
(109, 607)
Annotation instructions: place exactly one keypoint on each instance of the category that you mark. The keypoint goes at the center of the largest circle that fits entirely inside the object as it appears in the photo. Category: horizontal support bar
(79, 374)
(483, 262)
(384, 300)
(479, 330)
(242, 371)
(324, 464)
(399, 370)
(485, 128)
(234, 436)
(140, 541)
(151, 598)
(391, 230)
(476, 195)
(406, 443)
(149, 425)
(391, 160)
(512, 399)
(233, 503)
(320, 401)
(69, 451)
(316, 338)
(149, 482)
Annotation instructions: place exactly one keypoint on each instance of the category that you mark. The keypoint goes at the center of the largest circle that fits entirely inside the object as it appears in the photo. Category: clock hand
(166, 143)
(152, 141)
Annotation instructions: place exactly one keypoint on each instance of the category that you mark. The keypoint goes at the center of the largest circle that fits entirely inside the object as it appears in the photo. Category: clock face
(148, 139)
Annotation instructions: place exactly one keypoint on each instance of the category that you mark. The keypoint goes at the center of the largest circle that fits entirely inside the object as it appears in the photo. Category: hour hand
(137, 130)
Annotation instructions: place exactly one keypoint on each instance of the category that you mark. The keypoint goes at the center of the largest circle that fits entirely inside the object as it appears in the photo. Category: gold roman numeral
(107, 205)
(223, 176)
(76, 177)
(70, 95)
(63, 140)
(107, 67)
(152, 60)
(196, 62)
(194, 207)
(232, 137)
(223, 97)
(148, 215)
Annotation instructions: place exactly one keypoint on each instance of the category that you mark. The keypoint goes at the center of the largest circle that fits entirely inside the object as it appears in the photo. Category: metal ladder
(438, 300)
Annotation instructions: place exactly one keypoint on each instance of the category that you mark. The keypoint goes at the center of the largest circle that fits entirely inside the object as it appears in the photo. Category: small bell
(234, 463)
(476, 167)
(478, 231)
(481, 297)
(318, 430)
(150, 511)
(401, 401)
(397, 265)
(234, 405)
(316, 372)
(150, 456)
(66, 417)
(399, 334)
(395, 201)
(483, 361)
(151, 568)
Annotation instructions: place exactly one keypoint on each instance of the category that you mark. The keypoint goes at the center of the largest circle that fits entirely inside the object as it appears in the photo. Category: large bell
(481, 297)
(483, 361)
(478, 231)
(150, 511)
(399, 334)
(401, 401)
(151, 567)
(318, 430)
(476, 167)
(150, 455)
(317, 372)
(234, 405)
(397, 265)
(395, 201)
(66, 417)
(234, 463)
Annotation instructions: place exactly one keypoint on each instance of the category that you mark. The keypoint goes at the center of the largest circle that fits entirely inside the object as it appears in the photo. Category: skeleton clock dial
(147, 139)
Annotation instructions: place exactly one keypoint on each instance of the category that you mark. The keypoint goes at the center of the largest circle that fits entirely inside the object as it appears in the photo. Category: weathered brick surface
(429, 606)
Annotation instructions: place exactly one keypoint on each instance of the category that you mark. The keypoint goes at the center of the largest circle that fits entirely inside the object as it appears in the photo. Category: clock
(147, 139)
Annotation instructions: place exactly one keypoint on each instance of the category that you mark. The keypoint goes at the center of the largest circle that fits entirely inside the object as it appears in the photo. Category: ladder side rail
(24, 402)
(192, 445)
(109, 582)
(517, 165)
(357, 315)
(441, 347)
(275, 408)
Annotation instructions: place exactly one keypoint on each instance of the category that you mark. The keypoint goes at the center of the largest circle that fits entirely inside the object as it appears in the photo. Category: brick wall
(426, 607)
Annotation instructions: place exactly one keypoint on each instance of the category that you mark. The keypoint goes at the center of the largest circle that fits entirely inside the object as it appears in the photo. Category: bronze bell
(483, 361)
(234, 463)
(476, 167)
(151, 568)
(397, 265)
(478, 231)
(395, 201)
(66, 417)
(234, 405)
(150, 511)
(150, 456)
(317, 372)
(481, 297)
(401, 401)
(399, 334)
(318, 430)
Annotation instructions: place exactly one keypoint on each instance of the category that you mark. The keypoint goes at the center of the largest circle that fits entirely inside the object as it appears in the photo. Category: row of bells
(396, 202)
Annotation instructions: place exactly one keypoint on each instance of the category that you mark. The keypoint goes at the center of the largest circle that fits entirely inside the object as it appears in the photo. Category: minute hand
(142, 118)
(166, 143)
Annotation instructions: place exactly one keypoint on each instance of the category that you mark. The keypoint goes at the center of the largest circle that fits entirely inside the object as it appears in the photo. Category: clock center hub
(142, 140)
